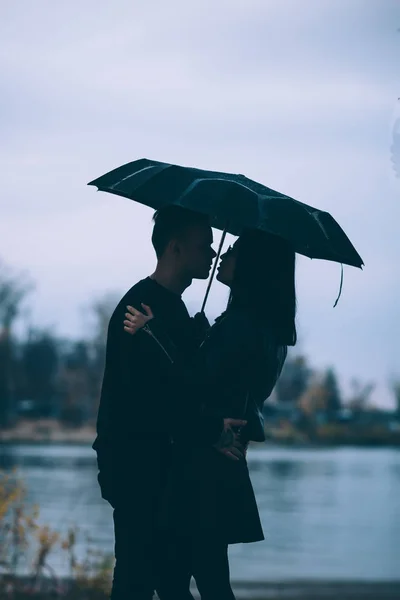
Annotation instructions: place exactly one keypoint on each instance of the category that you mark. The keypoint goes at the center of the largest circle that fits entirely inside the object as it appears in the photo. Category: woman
(236, 367)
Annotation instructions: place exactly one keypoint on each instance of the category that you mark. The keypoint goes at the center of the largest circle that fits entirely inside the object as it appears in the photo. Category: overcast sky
(298, 94)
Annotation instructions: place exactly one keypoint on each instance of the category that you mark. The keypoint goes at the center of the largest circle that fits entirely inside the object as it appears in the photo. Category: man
(139, 399)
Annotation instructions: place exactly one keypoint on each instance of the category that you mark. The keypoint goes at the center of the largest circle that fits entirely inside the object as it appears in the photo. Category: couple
(180, 402)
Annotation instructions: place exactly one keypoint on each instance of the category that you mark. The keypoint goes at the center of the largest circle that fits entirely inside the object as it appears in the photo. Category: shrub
(25, 546)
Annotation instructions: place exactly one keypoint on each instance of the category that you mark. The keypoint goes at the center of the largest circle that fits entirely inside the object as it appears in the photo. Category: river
(328, 514)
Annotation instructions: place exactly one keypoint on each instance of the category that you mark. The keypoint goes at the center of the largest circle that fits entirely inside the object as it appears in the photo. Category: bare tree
(361, 394)
(395, 385)
(14, 287)
(102, 309)
(294, 379)
(331, 385)
(40, 359)
(100, 313)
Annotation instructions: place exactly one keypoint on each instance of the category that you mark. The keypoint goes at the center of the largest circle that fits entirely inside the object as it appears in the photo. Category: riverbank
(296, 590)
(318, 590)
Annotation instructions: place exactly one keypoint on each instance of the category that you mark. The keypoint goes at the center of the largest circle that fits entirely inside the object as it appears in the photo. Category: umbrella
(233, 203)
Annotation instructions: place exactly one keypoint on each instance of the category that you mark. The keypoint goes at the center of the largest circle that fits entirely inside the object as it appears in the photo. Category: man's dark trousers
(133, 487)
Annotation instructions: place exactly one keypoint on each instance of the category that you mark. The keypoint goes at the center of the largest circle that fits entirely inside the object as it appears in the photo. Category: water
(327, 514)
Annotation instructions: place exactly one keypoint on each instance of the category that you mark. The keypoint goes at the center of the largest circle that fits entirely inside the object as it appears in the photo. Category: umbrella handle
(214, 269)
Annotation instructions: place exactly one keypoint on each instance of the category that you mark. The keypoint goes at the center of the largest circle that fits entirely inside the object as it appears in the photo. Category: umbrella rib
(134, 174)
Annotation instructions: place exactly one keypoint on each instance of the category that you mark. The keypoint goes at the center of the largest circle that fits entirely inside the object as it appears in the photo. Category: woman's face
(226, 269)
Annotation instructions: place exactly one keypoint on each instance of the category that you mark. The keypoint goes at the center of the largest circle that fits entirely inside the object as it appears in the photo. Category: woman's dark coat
(234, 372)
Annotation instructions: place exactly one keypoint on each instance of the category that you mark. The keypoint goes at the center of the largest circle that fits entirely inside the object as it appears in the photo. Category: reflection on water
(331, 514)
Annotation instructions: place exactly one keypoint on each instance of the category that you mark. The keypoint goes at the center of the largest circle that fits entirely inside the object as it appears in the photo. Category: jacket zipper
(147, 329)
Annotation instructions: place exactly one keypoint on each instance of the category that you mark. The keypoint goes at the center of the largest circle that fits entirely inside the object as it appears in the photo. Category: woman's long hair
(264, 282)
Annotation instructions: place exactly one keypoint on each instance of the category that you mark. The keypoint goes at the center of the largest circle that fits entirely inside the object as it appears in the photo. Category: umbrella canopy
(233, 202)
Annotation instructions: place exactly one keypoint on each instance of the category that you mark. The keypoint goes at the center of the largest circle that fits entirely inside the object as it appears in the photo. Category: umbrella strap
(341, 285)
(214, 269)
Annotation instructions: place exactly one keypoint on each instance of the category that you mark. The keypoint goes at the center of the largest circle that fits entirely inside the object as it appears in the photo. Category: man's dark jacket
(143, 398)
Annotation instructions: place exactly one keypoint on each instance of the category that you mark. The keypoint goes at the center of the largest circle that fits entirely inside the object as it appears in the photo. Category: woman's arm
(135, 320)
(227, 353)
(234, 359)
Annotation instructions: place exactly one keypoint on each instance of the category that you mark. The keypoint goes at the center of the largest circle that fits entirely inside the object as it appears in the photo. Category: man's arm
(135, 372)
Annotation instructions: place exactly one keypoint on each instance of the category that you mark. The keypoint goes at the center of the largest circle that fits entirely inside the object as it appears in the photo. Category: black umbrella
(233, 202)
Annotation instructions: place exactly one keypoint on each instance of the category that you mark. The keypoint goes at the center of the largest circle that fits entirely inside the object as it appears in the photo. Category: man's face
(196, 253)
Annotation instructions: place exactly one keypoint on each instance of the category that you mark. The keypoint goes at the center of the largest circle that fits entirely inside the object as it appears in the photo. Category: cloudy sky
(298, 94)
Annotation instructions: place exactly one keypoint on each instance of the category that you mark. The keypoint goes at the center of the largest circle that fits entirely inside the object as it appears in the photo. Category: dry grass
(21, 536)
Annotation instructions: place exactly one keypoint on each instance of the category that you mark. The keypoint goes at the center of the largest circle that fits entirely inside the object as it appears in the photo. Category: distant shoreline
(52, 432)
(268, 444)
(48, 431)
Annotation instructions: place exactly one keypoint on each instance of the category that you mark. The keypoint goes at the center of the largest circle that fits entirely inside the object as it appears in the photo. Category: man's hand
(228, 443)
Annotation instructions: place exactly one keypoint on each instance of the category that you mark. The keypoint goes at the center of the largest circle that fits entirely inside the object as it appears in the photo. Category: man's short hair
(170, 222)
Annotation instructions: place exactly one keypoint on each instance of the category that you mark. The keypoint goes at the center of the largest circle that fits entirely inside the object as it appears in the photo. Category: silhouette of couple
(180, 403)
